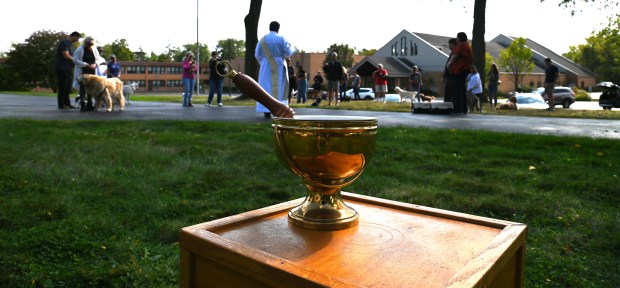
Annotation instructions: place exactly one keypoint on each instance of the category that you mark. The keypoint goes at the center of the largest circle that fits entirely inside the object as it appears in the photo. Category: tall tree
(477, 41)
(140, 55)
(517, 59)
(32, 62)
(231, 48)
(601, 53)
(205, 54)
(120, 48)
(251, 38)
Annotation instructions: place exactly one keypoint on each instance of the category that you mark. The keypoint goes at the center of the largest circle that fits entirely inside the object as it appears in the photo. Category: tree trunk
(478, 44)
(251, 39)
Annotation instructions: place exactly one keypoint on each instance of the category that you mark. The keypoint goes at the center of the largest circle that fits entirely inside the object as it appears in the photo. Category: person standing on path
(63, 64)
(271, 52)
(215, 80)
(189, 78)
(552, 75)
(459, 65)
(492, 83)
(415, 80)
(302, 84)
(355, 85)
(333, 73)
(85, 61)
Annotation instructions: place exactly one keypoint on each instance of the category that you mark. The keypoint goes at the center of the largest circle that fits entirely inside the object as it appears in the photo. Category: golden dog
(104, 90)
(426, 98)
(511, 104)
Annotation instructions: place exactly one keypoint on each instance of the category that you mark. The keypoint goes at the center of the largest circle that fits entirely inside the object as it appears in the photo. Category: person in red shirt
(380, 76)
(459, 65)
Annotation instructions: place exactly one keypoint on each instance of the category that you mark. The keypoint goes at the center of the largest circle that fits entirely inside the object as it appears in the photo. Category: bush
(582, 95)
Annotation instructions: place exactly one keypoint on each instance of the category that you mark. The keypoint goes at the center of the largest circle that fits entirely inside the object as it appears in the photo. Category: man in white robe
(271, 53)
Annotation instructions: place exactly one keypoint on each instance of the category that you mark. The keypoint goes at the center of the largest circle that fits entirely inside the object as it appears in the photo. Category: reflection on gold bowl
(328, 153)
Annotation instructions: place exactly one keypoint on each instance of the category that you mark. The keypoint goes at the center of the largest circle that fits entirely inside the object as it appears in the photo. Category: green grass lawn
(100, 204)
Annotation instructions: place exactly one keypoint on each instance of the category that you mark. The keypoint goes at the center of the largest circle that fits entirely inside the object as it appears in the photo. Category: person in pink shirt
(189, 78)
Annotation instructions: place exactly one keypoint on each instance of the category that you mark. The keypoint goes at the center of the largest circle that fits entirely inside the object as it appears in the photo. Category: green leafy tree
(345, 54)
(32, 62)
(231, 48)
(517, 59)
(140, 55)
(205, 54)
(367, 52)
(120, 48)
(487, 65)
(601, 53)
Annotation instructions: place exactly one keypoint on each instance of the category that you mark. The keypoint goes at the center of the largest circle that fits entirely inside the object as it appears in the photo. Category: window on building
(174, 83)
(133, 69)
(157, 70)
(157, 83)
(175, 70)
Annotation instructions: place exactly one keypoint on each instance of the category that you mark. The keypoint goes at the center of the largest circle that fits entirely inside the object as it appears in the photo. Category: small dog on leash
(511, 104)
(129, 90)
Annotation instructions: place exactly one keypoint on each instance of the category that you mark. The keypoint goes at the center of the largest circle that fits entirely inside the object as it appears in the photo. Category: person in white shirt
(474, 86)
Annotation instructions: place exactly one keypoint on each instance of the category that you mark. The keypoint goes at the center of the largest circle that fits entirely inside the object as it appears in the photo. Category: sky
(156, 25)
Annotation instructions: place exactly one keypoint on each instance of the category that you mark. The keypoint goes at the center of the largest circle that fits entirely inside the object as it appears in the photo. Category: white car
(365, 94)
(531, 101)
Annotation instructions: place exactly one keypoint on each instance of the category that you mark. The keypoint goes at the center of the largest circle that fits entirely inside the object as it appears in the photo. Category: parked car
(530, 101)
(610, 98)
(563, 95)
(365, 93)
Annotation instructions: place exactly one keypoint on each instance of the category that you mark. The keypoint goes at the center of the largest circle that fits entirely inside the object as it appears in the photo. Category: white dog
(404, 94)
(128, 90)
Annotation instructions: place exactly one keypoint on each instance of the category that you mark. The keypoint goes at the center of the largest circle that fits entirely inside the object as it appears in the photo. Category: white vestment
(271, 53)
(79, 64)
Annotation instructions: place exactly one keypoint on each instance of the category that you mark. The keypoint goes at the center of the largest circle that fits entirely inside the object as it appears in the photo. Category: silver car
(562, 95)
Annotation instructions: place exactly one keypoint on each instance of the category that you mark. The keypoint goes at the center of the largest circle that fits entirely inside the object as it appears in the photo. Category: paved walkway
(19, 106)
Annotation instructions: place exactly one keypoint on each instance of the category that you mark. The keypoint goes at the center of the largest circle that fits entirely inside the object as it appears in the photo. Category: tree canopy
(345, 54)
(516, 59)
(31, 64)
(601, 53)
(231, 48)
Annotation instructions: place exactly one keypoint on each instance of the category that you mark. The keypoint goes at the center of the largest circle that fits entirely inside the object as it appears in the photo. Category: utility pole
(197, 54)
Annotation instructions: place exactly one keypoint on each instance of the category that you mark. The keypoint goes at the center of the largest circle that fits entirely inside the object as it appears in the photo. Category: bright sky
(154, 25)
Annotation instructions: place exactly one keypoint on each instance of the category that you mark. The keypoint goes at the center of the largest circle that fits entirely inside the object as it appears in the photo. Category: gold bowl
(328, 153)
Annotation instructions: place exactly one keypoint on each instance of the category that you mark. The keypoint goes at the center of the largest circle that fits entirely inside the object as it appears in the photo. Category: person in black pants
(459, 66)
(85, 60)
(63, 64)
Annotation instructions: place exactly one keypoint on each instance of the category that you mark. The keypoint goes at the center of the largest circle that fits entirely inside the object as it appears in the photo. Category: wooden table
(395, 245)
